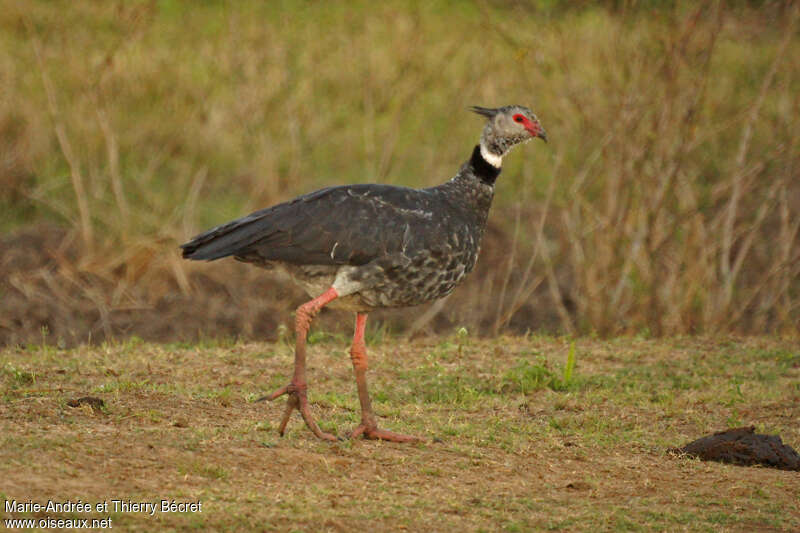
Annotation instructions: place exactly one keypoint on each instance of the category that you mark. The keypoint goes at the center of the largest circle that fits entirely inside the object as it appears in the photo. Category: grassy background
(517, 448)
(666, 202)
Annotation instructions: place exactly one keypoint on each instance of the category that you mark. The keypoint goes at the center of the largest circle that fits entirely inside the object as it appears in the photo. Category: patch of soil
(51, 292)
(743, 446)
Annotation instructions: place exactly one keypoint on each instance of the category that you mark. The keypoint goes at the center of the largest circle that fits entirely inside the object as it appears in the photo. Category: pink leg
(368, 426)
(296, 389)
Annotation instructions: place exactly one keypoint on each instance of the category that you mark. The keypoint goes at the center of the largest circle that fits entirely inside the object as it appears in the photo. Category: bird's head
(507, 126)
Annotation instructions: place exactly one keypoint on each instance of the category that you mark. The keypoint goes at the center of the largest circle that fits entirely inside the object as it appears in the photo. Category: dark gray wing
(352, 224)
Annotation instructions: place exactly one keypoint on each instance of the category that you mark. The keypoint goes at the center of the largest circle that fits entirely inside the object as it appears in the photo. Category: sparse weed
(531, 375)
(18, 377)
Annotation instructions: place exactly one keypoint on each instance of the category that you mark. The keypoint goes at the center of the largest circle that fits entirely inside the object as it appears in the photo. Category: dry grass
(652, 235)
(667, 201)
(518, 449)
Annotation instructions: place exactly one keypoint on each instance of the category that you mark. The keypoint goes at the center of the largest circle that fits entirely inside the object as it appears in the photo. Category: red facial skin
(532, 127)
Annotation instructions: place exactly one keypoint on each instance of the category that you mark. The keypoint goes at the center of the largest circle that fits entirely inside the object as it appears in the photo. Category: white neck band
(495, 160)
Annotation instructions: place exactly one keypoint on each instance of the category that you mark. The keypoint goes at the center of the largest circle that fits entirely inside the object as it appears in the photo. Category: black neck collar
(484, 171)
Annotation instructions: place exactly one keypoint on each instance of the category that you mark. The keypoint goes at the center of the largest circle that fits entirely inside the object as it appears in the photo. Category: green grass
(510, 447)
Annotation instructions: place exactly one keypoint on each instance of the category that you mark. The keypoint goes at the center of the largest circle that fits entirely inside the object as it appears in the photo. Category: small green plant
(462, 335)
(735, 394)
(378, 332)
(734, 420)
(528, 376)
(570, 366)
(18, 377)
(283, 333)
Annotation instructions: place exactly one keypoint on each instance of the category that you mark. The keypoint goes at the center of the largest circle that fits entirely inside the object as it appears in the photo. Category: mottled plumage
(399, 246)
(362, 247)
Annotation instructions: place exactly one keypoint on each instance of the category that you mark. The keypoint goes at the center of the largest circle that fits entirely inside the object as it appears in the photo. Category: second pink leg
(368, 427)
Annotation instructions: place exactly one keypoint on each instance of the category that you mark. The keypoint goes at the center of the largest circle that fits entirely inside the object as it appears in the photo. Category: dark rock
(743, 446)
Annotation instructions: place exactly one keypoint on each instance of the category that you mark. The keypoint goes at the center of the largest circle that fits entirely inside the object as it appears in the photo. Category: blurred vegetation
(666, 202)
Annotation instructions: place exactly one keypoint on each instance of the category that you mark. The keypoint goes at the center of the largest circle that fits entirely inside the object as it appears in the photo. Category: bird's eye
(518, 118)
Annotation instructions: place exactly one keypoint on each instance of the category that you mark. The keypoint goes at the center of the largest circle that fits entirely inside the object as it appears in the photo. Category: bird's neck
(493, 146)
(491, 158)
(485, 165)
(473, 186)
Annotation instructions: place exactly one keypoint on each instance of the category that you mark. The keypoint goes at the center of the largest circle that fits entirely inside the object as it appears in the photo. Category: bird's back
(345, 225)
(414, 245)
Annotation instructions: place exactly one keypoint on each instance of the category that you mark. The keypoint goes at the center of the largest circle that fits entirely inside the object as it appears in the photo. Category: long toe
(376, 433)
(298, 400)
(312, 425)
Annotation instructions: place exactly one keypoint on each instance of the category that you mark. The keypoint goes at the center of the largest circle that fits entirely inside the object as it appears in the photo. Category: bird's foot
(298, 400)
(371, 431)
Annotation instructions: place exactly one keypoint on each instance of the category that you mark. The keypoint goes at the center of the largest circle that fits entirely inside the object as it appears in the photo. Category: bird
(363, 247)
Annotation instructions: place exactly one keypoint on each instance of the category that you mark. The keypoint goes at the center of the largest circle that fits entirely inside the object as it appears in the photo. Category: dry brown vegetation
(518, 447)
(668, 200)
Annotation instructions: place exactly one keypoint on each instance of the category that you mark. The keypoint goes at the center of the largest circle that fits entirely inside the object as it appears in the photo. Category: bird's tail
(225, 240)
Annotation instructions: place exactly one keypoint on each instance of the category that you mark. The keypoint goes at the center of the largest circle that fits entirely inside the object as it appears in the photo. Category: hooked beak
(536, 129)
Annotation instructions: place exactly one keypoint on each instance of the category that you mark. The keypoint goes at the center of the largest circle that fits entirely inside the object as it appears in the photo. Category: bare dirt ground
(513, 445)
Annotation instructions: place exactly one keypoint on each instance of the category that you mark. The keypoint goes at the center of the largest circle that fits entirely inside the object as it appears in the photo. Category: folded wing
(350, 225)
